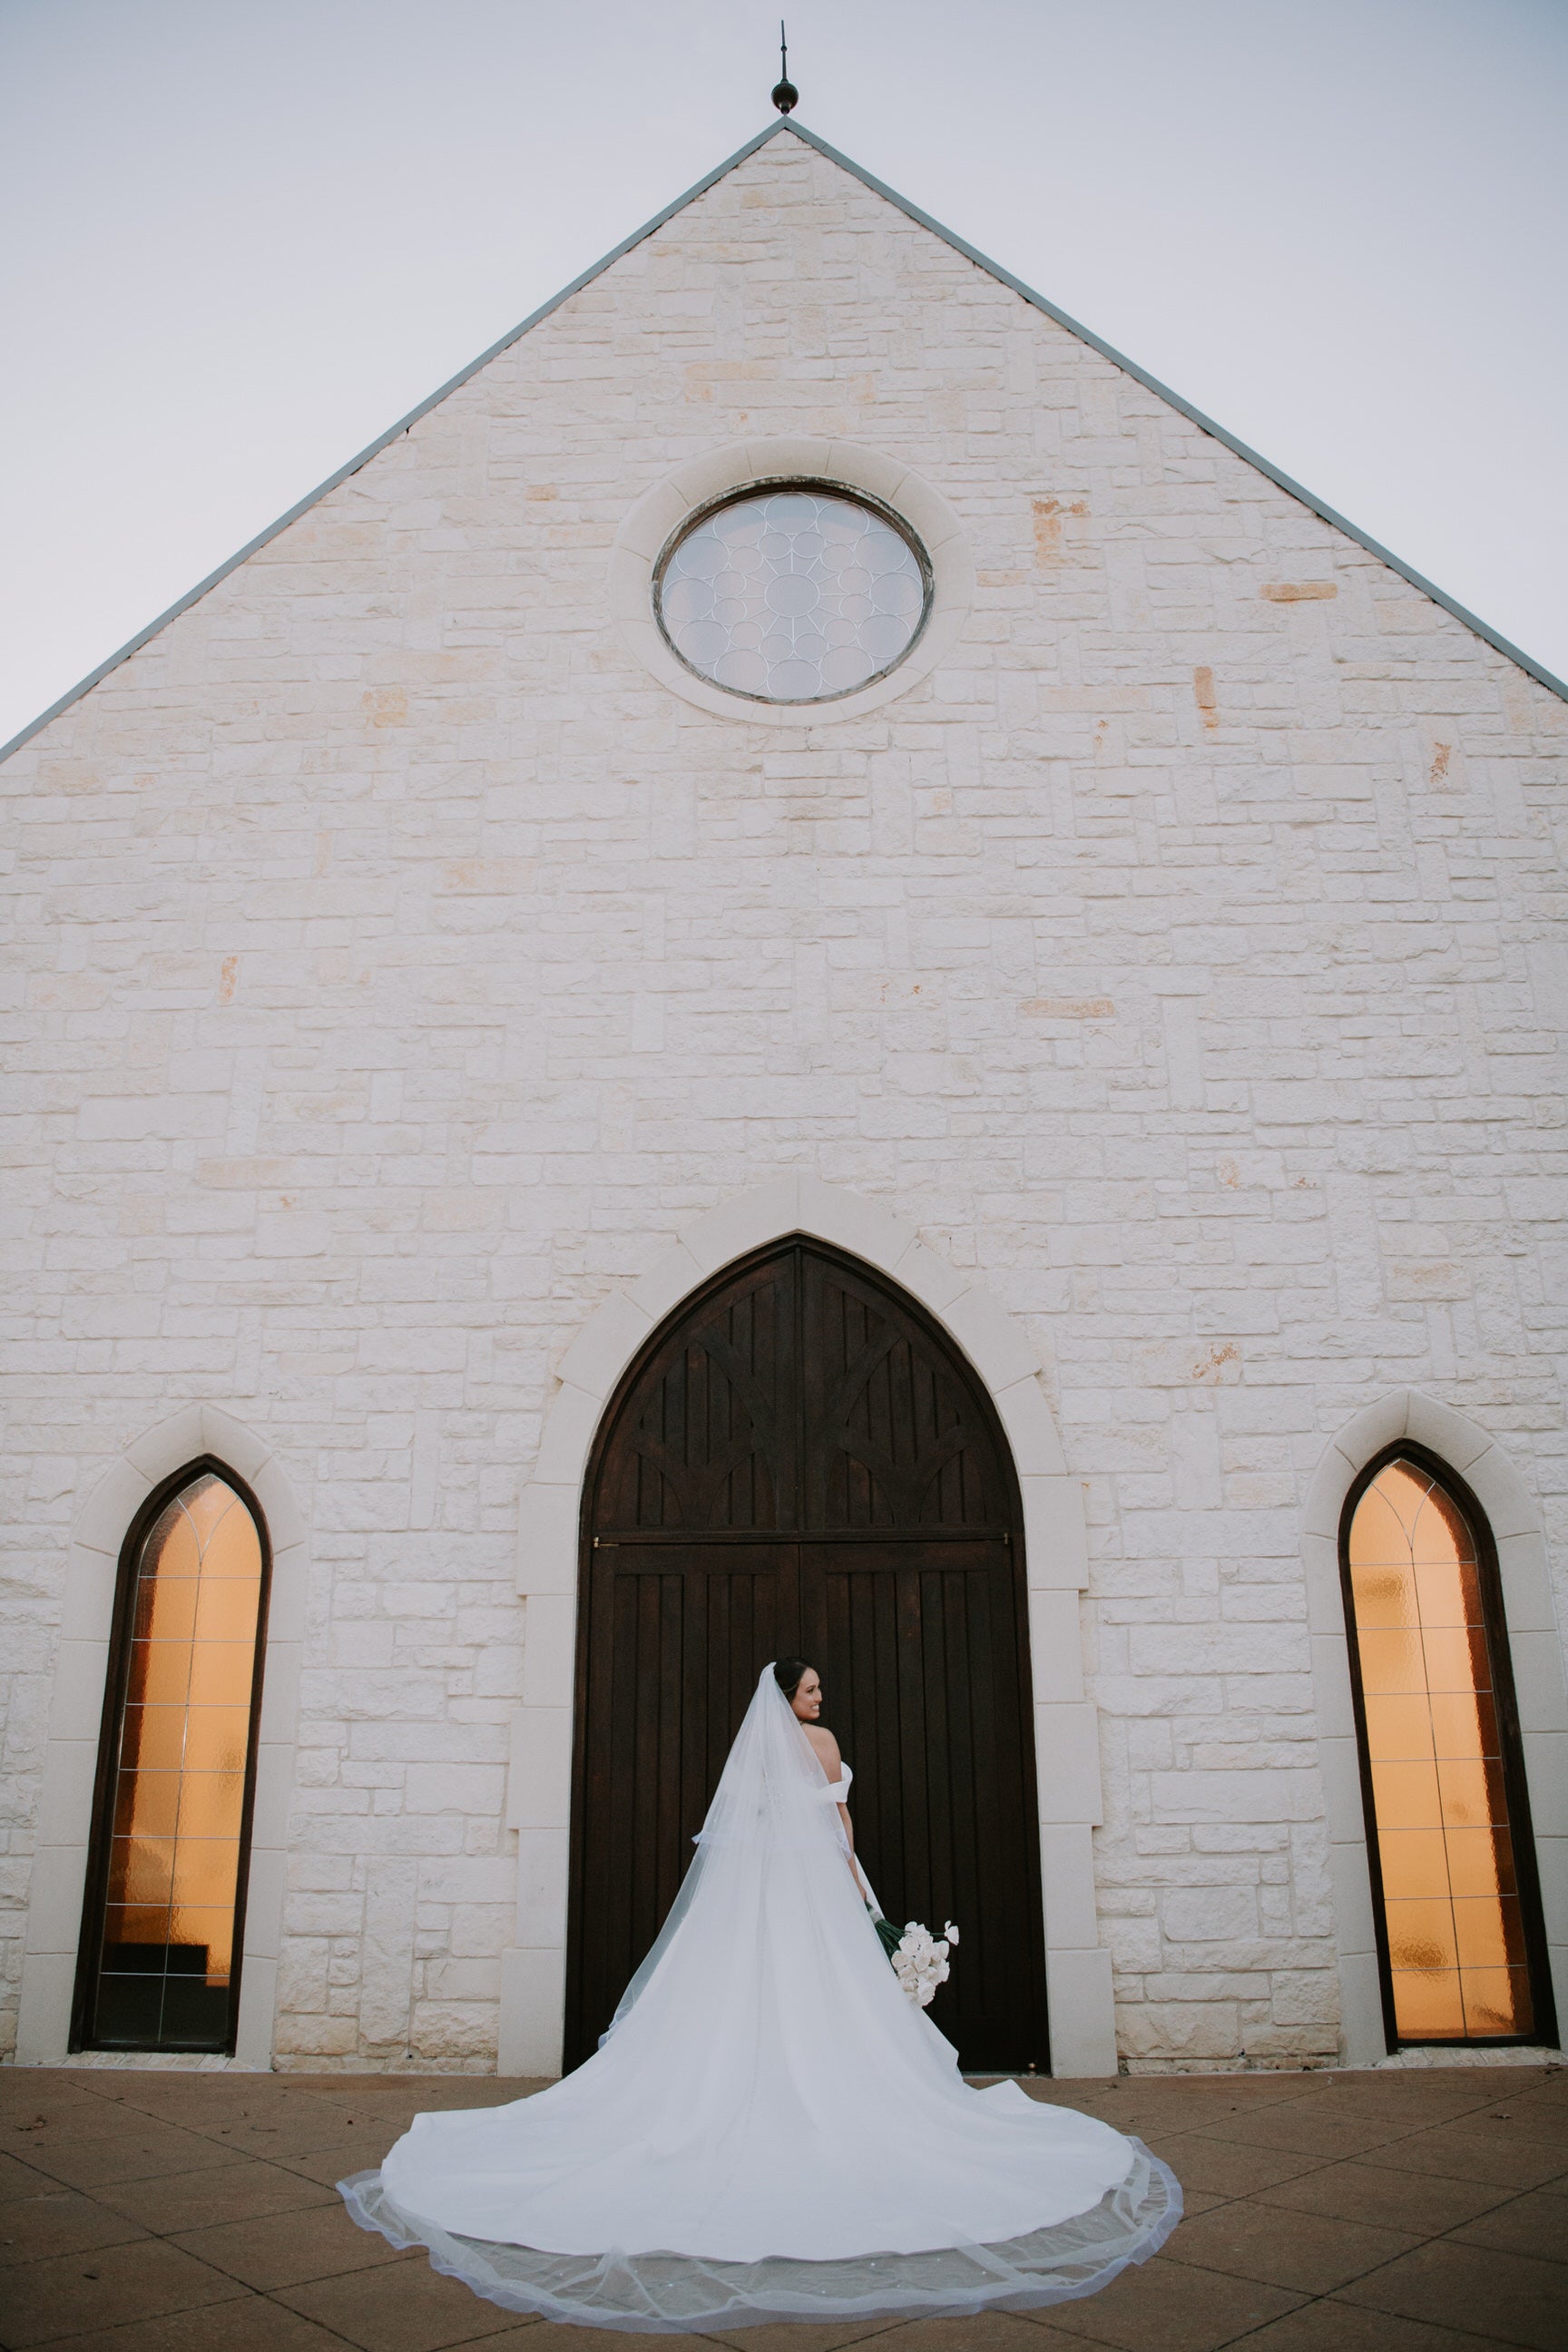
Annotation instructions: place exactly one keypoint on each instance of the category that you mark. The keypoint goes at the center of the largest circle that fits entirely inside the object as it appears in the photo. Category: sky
(238, 238)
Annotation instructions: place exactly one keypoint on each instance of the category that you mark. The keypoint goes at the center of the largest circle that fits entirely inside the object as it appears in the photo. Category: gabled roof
(1532, 668)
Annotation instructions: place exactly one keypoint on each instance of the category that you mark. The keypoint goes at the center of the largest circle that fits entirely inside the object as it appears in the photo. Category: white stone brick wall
(398, 967)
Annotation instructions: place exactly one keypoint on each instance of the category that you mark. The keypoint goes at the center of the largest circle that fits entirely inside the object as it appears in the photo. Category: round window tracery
(797, 593)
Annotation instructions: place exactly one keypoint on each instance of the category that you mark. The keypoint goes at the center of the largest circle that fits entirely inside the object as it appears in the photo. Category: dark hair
(787, 1673)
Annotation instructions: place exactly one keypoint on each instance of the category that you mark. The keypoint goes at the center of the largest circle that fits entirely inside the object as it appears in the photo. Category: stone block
(672, 1276)
(476, 1792)
(282, 1671)
(116, 1496)
(570, 1423)
(1208, 1915)
(549, 1650)
(1339, 1759)
(274, 1790)
(76, 1695)
(1055, 1535)
(287, 1595)
(53, 1900)
(538, 1780)
(542, 1887)
(1527, 1585)
(178, 1440)
(1537, 1661)
(1551, 1856)
(1546, 1768)
(605, 1344)
(547, 1549)
(286, 1527)
(762, 1214)
(1194, 2029)
(1332, 1687)
(256, 2033)
(87, 1610)
(1082, 2013)
(531, 2006)
(932, 1279)
(1510, 1508)
(65, 1809)
(44, 2010)
(1445, 1433)
(1364, 2034)
(1379, 1423)
(994, 1341)
(1354, 1925)
(264, 1903)
(1325, 1588)
(1056, 1647)
(851, 1223)
(1067, 1874)
(243, 1450)
(1066, 1762)
(1031, 1430)
(1285, 1793)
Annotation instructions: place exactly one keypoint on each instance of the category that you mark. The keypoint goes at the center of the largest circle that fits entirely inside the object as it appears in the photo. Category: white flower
(920, 1962)
(951, 1932)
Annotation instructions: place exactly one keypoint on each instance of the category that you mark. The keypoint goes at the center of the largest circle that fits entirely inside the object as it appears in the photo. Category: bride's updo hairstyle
(787, 1673)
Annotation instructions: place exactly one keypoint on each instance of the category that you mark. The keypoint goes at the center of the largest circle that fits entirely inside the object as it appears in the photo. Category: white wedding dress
(770, 2129)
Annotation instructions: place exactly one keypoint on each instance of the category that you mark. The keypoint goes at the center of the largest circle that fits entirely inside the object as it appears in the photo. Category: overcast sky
(242, 237)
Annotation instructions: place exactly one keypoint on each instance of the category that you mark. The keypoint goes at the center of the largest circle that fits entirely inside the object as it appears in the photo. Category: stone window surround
(1514, 1518)
(81, 1665)
(698, 484)
(533, 1969)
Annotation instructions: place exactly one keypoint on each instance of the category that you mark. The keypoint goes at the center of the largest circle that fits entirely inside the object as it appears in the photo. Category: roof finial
(785, 95)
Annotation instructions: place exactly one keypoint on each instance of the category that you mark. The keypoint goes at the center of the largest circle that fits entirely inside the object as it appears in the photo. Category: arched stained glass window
(1454, 1870)
(166, 1902)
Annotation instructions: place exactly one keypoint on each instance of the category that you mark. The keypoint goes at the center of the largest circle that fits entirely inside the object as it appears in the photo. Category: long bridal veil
(769, 2129)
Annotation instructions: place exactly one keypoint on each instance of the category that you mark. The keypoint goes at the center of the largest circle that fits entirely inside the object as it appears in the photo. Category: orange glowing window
(160, 1957)
(1453, 1920)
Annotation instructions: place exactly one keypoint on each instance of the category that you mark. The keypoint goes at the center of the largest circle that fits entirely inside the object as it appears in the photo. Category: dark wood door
(801, 1459)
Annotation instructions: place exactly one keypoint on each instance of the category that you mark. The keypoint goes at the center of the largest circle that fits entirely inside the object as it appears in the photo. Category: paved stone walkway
(1422, 2211)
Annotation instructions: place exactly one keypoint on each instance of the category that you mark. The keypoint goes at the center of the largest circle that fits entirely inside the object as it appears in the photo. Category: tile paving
(1419, 2212)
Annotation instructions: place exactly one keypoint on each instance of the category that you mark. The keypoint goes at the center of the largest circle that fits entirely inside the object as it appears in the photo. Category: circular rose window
(795, 594)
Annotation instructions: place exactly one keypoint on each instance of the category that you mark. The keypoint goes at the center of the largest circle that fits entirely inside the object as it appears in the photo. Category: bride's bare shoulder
(825, 1746)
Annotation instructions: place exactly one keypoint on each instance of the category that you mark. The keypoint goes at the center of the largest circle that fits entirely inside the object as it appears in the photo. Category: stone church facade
(425, 980)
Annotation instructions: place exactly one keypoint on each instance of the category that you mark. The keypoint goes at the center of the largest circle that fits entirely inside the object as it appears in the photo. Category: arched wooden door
(802, 1461)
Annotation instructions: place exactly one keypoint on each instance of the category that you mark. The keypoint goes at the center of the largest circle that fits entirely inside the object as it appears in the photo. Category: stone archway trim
(1077, 1970)
(1535, 1647)
(65, 1816)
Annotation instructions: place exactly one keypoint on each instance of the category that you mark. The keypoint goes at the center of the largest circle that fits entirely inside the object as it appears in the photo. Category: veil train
(769, 2129)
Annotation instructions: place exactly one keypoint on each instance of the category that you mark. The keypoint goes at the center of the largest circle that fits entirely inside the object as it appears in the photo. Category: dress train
(770, 2129)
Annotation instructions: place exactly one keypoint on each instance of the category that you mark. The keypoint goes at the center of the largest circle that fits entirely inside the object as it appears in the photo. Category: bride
(770, 2129)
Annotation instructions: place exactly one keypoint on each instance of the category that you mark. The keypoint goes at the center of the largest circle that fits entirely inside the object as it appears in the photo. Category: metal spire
(785, 95)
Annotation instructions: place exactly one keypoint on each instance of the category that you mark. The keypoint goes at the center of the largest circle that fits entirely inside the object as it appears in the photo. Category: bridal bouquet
(918, 1957)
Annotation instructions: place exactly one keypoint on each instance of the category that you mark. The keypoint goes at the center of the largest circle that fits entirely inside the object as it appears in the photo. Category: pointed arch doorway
(800, 1459)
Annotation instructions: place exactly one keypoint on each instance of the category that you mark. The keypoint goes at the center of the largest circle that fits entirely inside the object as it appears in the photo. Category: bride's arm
(832, 1763)
(849, 1840)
